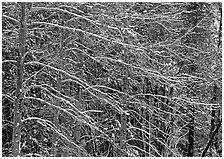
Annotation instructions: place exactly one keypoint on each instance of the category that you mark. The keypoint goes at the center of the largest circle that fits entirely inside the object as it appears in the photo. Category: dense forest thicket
(111, 79)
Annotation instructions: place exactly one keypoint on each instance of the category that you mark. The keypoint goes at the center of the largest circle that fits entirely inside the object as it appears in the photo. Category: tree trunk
(123, 129)
(162, 106)
(211, 139)
(190, 152)
(142, 113)
(220, 27)
(59, 78)
(147, 91)
(142, 118)
(77, 130)
(215, 118)
(17, 114)
(213, 111)
(171, 118)
(54, 138)
(56, 120)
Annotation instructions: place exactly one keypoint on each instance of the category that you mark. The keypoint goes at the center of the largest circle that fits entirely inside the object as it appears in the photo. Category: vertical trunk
(56, 120)
(147, 90)
(93, 134)
(213, 109)
(123, 129)
(215, 118)
(190, 152)
(77, 130)
(154, 119)
(162, 91)
(220, 26)
(54, 138)
(142, 113)
(218, 135)
(169, 128)
(57, 112)
(17, 113)
(149, 138)
(78, 124)
(213, 113)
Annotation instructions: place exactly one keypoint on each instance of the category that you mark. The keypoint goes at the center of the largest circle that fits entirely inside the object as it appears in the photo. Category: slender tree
(190, 151)
(211, 139)
(19, 88)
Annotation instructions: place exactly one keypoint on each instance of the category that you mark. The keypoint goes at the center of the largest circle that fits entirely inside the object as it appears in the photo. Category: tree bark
(123, 129)
(17, 114)
(57, 112)
(147, 91)
(215, 117)
(54, 138)
(77, 130)
(220, 27)
(213, 110)
(169, 129)
(142, 118)
(190, 152)
(162, 106)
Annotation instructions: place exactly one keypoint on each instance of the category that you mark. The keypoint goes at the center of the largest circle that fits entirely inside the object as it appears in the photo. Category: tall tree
(19, 88)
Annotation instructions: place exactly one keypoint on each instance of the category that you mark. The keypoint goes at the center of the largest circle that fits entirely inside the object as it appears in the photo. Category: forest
(111, 79)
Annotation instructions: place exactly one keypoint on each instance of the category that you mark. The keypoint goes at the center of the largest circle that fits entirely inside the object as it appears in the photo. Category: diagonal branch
(211, 139)
(12, 19)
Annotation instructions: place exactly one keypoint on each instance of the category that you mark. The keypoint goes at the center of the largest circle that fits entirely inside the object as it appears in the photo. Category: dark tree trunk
(148, 90)
(211, 139)
(213, 110)
(215, 118)
(19, 87)
(190, 152)
(220, 26)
